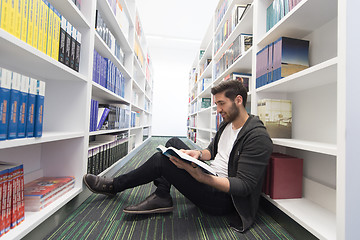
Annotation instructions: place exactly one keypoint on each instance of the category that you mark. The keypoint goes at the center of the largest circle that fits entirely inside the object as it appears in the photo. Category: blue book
(30, 119)
(24, 92)
(14, 105)
(5, 85)
(103, 112)
(39, 109)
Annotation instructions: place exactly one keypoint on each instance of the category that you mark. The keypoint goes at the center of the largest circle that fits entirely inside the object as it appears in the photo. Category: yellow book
(45, 24)
(10, 17)
(24, 19)
(41, 28)
(50, 29)
(17, 18)
(30, 30)
(4, 14)
(36, 24)
(56, 35)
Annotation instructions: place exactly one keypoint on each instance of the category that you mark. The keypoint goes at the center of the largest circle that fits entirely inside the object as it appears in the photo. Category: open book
(170, 151)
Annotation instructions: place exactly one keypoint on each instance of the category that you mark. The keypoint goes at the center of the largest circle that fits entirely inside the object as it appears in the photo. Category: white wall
(174, 30)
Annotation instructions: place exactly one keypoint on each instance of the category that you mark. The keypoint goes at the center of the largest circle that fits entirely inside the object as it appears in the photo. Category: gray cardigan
(247, 164)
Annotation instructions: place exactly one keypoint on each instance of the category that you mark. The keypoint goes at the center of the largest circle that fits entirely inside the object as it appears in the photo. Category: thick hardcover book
(14, 105)
(24, 92)
(170, 151)
(77, 51)
(5, 85)
(30, 119)
(68, 43)
(56, 35)
(62, 40)
(39, 109)
(290, 56)
(286, 177)
(72, 47)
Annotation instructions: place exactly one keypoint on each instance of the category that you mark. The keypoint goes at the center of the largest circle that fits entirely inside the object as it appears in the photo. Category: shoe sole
(108, 194)
(158, 210)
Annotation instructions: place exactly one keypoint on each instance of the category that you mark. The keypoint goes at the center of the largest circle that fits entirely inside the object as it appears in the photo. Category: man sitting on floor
(240, 152)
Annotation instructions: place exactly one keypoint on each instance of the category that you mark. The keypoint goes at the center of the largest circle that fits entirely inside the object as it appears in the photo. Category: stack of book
(21, 105)
(11, 196)
(39, 24)
(280, 59)
(102, 155)
(41, 192)
(284, 176)
(277, 10)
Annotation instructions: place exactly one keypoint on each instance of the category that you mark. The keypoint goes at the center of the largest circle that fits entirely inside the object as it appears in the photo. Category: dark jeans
(164, 173)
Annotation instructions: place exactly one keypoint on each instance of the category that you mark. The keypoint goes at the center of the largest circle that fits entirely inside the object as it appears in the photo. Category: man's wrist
(200, 156)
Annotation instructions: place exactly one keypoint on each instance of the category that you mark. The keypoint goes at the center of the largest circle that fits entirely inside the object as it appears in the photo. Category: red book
(3, 197)
(286, 176)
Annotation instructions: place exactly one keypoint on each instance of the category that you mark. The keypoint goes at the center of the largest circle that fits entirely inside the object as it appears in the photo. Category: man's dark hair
(232, 88)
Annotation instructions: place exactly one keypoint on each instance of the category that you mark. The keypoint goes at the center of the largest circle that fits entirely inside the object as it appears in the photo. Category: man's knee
(172, 142)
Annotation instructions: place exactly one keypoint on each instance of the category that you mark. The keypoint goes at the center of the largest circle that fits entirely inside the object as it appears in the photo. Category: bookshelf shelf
(324, 148)
(100, 132)
(104, 94)
(33, 63)
(318, 220)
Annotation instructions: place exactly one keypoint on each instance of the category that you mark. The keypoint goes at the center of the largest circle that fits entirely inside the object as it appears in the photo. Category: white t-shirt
(226, 142)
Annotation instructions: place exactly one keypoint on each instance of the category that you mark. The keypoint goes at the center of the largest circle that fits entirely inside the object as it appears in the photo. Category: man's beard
(233, 113)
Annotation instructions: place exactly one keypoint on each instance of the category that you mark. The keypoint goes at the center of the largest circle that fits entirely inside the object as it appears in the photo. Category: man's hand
(191, 168)
(192, 153)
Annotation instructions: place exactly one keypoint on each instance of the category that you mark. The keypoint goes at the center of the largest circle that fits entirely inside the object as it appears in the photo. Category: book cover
(30, 119)
(14, 105)
(290, 56)
(39, 108)
(276, 114)
(5, 85)
(24, 92)
(77, 51)
(286, 174)
(170, 151)
(103, 112)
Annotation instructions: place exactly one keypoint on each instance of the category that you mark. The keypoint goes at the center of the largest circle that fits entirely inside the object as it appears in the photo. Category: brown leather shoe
(152, 204)
(100, 185)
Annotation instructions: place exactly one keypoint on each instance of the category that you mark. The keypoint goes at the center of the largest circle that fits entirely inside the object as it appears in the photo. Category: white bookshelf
(63, 148)
(323, 98)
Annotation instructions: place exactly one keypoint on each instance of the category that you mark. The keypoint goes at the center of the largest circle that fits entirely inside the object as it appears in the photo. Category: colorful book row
(102, 157)
(241, 44)
(12, 207)
(280, 59)
(108, 75)
(108, 117)
(108, 37)
(277, 10)
(21, 105)
(39, 24)
(43, 191)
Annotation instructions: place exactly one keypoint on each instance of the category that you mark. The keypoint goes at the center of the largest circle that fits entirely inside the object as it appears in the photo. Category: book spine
(72, 47)
(5, 86)
(17, 18)
(39, 108)
(68, 43)
(77, 51)
(36, 23)
(50, 30)
(24, 19)
(20, 199)
(24, 88)
(10, 19)
(3, 198)
(56, 34)
(14, 105)
(31, 108)
(45, 25)
(30, 29)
